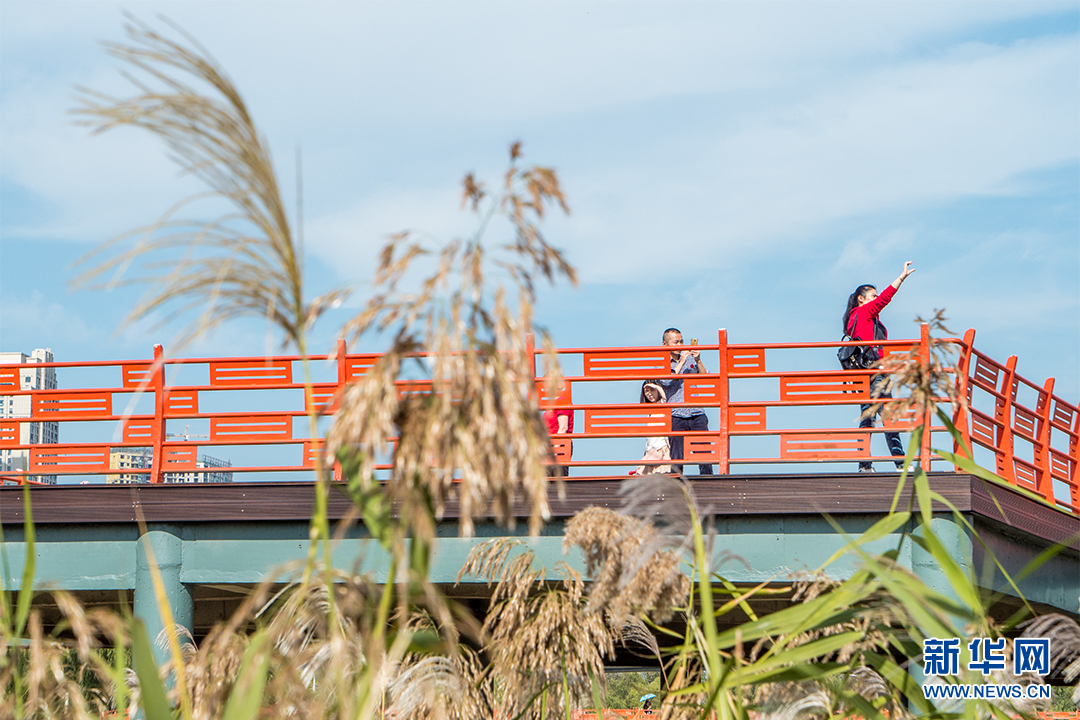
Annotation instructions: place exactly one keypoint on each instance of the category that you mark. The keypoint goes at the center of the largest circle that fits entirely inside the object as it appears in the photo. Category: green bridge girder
(103, 559)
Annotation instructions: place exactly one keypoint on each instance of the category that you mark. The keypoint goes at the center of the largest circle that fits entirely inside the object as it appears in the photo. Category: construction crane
(185, 435)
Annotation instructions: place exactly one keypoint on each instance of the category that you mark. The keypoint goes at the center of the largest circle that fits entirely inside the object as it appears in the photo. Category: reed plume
(68, 672)
(923, 383)
(245, 261)
(471, 431)
(546, 648)
(631, 575)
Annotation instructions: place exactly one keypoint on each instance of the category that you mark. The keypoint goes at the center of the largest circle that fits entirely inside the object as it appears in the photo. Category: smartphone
(693, 341)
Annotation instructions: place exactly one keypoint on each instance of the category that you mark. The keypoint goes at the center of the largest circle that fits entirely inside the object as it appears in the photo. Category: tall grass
(337, 645)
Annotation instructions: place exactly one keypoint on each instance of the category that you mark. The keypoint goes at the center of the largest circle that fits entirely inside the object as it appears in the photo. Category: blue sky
(739, 165)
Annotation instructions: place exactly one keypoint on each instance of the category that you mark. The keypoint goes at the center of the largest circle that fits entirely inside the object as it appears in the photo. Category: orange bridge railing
(770, 407)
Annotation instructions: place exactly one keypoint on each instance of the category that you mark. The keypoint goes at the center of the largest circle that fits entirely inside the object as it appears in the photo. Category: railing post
(530, 350)
(342, 376)
(723, 438)
(342, 381)
(157, 430)
(1044, 481)
(928, 411)
(961, 419)
(1003, 414)
(1074, 464)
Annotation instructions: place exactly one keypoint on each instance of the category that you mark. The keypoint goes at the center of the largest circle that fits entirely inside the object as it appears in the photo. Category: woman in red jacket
(861, 323)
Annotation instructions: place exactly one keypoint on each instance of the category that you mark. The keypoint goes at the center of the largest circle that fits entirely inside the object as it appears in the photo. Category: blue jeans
(682, 424)
(877, 390)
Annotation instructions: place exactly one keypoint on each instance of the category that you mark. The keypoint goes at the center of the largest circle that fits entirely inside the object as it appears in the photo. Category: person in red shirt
(861, 323)
(560, 422)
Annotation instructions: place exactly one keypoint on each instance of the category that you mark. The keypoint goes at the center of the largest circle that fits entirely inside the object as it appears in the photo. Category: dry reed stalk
(545, 647)
(49, 690)
(635, 555)
(874, 620)
(246, 261)
(474, 435)
(451, 685)
(243, 262)
(679, 705)
(323, 663)
(211, 670)
(62, 668)
(634, 635)
(922, 384)
(826, 698)
(90, 630)
(631, 576)
(1064, 635)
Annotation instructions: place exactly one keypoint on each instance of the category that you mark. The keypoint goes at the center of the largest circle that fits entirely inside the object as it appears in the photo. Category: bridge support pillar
(166, 553)
(957, 542)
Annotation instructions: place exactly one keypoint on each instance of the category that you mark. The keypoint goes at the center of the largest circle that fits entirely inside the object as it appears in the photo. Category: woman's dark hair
(663, 395)
(853, 302)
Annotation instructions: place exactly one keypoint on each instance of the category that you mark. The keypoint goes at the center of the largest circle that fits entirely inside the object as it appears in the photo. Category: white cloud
(343, 77)
(460, 61)
(42, 321)
(866, 251)
(921, 134)
(698, 142)
(349, 240)
(93, 187)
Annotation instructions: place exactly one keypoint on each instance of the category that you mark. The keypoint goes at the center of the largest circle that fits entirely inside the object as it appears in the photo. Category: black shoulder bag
(861, 357)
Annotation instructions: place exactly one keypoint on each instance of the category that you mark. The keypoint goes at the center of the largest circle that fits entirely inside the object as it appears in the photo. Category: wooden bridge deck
(730, 495)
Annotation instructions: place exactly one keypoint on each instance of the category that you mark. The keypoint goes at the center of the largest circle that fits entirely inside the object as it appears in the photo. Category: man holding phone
(683, 362)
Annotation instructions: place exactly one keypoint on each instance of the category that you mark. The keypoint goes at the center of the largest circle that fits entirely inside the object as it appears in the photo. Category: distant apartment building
(219, 475)
(129, 459)
(142, 458)
(18, 406)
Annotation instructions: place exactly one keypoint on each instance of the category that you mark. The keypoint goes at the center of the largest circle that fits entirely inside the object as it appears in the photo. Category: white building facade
(18, 406)
(131, 459)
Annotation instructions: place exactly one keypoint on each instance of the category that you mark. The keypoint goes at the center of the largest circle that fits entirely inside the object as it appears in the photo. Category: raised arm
(686, 355)
(903, 275)
(683, 357)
